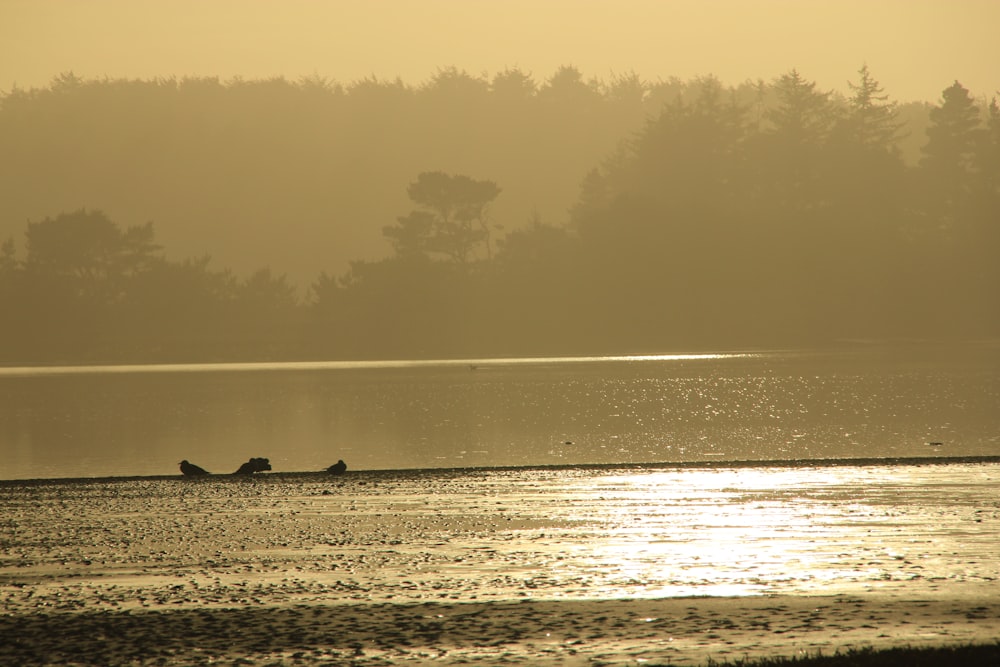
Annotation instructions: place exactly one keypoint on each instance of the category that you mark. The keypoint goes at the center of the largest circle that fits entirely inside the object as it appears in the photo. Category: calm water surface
(142, 420)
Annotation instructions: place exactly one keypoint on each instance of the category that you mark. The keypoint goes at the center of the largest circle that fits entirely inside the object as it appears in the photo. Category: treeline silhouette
(724, 221)
(301, 176)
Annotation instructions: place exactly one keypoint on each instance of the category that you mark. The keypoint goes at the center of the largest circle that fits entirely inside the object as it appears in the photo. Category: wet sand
(535, 567)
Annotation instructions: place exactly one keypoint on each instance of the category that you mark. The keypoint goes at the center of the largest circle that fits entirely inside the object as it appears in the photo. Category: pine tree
(803, 114)
(953, 135)
(873, 121)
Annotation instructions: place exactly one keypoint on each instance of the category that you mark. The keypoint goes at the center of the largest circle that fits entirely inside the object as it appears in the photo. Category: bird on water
(191, 470)
(338, 468)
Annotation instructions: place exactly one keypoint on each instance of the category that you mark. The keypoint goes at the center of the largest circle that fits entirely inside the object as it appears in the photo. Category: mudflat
(534, 566)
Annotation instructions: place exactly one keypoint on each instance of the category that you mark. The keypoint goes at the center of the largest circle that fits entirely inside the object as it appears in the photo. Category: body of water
(142, 420)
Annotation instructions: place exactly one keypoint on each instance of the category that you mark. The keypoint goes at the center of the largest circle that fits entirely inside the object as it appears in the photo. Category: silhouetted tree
(715, 213)
(691, 151)
(628, 89)
(949, 158)
(266, 319)
(295, 161)
(266, 292)
(178, 310)
(456, 87)
(959, 189)
(512, 108)
(790, 153)
(803, 114)
(947, 184)
(953, 134)
(89, 251)
(453, 218)
(872, 121)
(566, 87)
(512, 86)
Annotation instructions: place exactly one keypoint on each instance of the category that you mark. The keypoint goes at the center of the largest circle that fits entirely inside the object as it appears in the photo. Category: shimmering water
(747, 531)
(142, 420)
(663, 531)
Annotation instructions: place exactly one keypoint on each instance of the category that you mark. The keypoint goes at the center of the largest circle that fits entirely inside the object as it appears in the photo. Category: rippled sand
(537, 566)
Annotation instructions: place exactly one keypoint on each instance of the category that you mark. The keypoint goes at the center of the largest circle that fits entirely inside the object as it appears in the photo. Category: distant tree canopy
(872, 121)
(303, 175)
(452, 218)
(90, 290)
(755, 216)
(88, 253)
(300, 175)
(712, 228)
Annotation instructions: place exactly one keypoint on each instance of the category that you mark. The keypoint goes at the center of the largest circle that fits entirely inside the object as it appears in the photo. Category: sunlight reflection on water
(142, 420)
(349, 365)
(511, 534)
(751, 531)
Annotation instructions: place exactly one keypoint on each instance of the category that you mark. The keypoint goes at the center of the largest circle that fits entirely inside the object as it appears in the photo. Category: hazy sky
(915, 48)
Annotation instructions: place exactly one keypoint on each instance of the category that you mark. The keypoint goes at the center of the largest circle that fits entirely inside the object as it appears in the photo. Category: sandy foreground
(527, 567)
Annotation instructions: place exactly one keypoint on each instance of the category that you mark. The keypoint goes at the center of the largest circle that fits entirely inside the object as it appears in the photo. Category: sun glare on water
(740, 531)
(15, 371)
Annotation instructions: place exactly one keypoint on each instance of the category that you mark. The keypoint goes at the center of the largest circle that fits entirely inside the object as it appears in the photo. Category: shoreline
(676, 631)
(662, 465)
(543, 567)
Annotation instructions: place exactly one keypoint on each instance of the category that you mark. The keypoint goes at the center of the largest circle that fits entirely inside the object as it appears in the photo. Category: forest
(490, 217)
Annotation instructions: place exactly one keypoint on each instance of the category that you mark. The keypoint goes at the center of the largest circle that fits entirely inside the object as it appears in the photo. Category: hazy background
(241, 180)
(916, 46)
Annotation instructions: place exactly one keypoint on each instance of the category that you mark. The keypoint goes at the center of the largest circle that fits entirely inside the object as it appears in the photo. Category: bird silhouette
(258, 464)
(191, 470)
(338, 468)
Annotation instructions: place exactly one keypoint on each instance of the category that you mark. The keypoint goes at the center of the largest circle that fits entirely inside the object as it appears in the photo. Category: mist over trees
(701, 216)
(303, 175)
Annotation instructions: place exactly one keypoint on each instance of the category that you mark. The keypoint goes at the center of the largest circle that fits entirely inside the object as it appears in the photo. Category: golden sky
(915, 48)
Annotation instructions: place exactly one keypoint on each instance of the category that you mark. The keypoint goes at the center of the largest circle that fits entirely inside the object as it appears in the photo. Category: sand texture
(534, 567)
